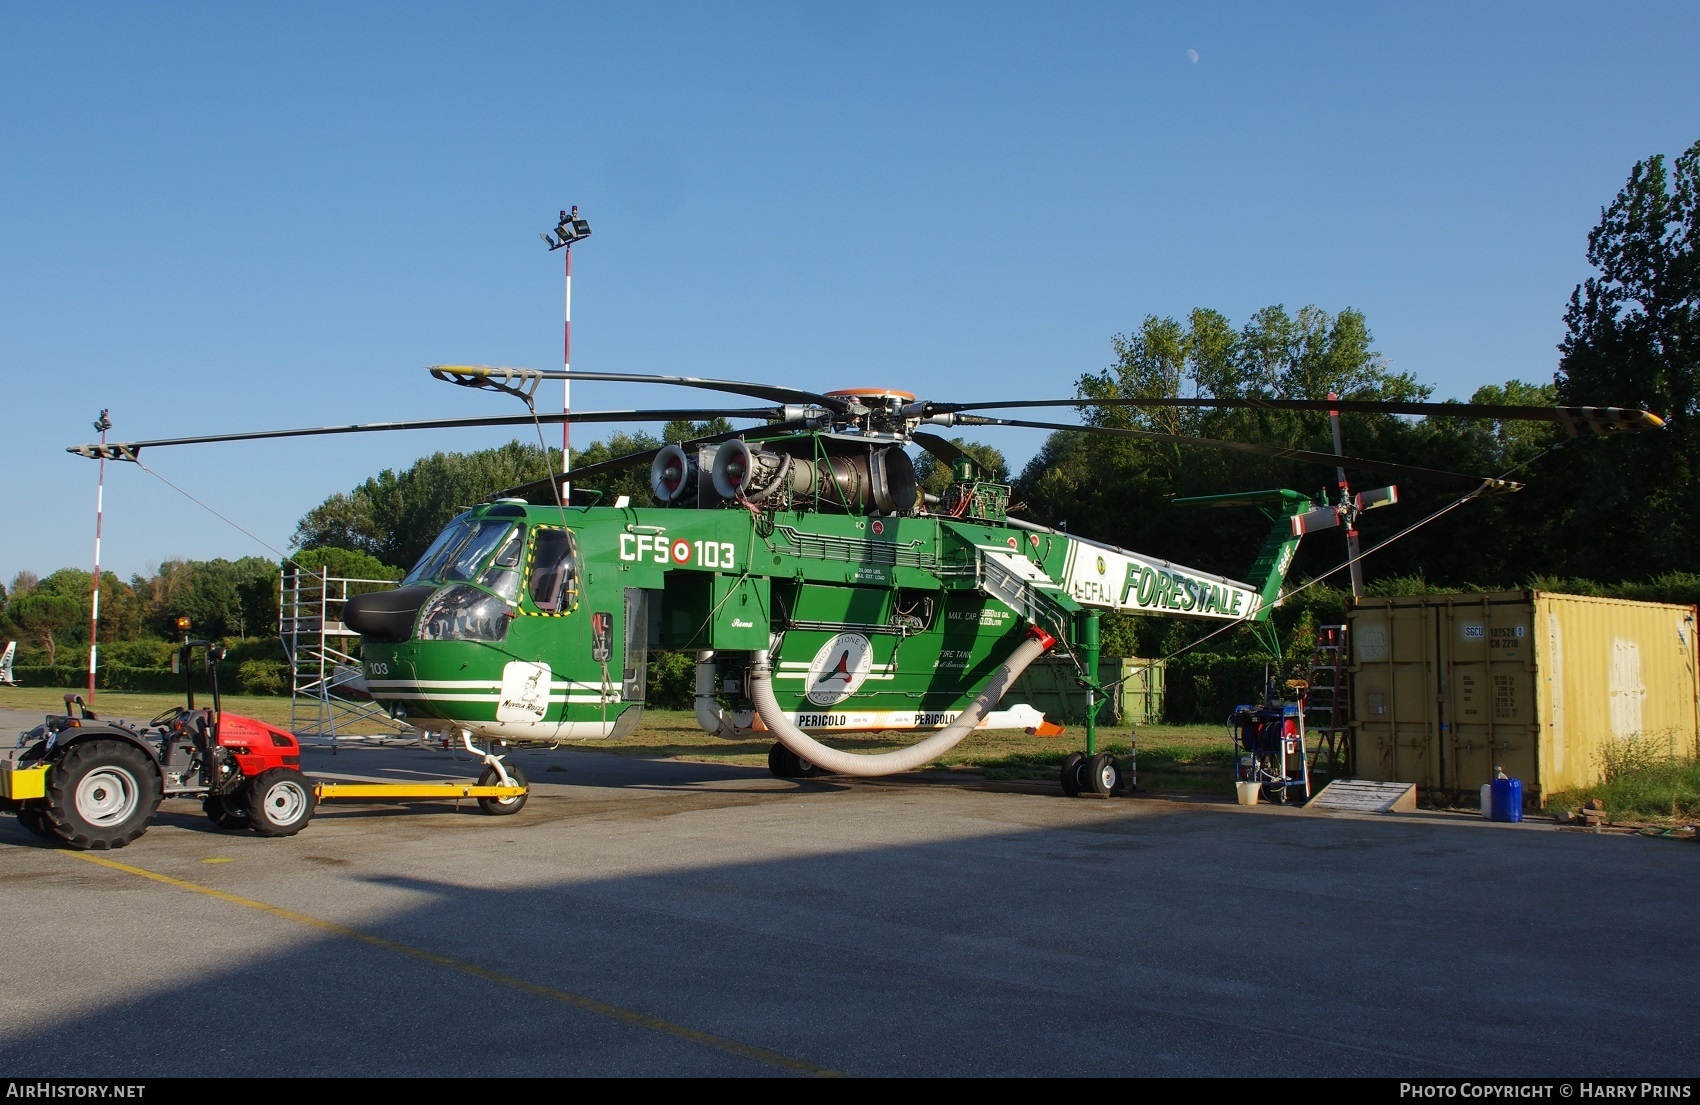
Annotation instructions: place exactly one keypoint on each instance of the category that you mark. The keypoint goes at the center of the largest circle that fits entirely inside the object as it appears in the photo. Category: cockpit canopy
(478, 561)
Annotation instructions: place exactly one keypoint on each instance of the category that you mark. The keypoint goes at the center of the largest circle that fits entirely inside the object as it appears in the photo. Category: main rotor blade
(947, 451)
(128, 450)
(518, 380)
(1575, 420)
(1330, 460)
(632, 460)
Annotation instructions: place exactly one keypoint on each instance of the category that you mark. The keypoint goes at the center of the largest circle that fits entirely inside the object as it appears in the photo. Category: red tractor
(96, 784)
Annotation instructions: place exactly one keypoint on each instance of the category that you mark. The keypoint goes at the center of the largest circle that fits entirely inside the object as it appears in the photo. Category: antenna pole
(103, 423)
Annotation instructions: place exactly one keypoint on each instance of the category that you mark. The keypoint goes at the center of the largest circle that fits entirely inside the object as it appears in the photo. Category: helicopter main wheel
(501, 807)
(786, 764)
(1101, 775)
(1073, 774)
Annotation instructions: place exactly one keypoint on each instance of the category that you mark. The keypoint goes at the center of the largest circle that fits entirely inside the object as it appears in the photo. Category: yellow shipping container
(1445, 688)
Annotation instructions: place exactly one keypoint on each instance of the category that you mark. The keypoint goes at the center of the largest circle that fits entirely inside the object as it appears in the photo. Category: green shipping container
(1133, 688)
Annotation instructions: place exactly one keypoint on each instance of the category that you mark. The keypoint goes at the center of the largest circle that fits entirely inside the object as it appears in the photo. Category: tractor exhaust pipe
(903, 759)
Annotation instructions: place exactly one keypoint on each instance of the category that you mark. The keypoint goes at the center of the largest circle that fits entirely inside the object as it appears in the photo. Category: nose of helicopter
(386, 615)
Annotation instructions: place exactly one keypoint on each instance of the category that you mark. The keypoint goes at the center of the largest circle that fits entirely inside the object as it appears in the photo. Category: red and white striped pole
(571, 229)
(566, 366)
(103, 423)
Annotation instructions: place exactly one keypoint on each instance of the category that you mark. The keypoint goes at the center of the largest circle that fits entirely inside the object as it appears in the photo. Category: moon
(1192, 56)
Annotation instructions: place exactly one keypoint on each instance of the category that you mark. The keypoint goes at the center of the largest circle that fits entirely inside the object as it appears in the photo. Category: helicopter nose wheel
(786, 764)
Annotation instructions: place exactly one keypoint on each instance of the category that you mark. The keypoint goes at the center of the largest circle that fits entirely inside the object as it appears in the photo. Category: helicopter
(822, 592)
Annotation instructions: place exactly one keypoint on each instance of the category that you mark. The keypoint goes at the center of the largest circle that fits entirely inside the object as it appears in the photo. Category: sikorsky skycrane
(822, 593)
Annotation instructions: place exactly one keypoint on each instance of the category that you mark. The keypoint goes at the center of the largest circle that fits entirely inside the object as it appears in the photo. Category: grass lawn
(1193, 759)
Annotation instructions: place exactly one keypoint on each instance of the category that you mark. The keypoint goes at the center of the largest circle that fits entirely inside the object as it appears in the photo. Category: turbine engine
(873, 477)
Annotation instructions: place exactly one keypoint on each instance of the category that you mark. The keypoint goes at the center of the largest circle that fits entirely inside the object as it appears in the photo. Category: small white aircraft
(6, 664)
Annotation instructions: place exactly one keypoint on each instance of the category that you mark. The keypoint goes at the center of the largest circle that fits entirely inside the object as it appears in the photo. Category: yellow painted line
(219, 859)
(589, 1005)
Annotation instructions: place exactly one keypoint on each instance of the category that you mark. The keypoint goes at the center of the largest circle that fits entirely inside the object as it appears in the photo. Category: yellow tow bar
(414, 790)
(20, 783)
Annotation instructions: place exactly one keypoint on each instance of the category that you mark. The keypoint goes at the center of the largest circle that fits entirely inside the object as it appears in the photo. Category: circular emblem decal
(1033, 539)
(879, 527)
(1100, 565)
(839, 668)
(1010, 542)
(681, 550)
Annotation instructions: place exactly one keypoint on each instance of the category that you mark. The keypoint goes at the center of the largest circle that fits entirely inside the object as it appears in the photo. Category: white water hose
(903, 759)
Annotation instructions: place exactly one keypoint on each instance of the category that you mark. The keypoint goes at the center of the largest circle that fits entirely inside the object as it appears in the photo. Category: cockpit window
(462, 564)
(456, 555)
(502, 576)
(451, 537)
(554, 571)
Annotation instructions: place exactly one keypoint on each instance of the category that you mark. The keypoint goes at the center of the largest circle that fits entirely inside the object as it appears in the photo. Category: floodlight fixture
(571, 229)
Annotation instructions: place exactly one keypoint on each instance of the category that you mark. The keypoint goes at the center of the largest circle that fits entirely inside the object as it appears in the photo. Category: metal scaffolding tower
(327, 692)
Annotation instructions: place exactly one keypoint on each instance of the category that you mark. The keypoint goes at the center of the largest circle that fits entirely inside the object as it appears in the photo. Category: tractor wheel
(101, 794)
(280, 802)
(501, 807)
(1102, 776)
(1073, 778)
(229, 811)
(33, 819)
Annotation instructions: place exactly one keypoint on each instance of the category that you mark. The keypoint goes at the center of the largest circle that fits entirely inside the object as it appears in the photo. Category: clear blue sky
(239, 216)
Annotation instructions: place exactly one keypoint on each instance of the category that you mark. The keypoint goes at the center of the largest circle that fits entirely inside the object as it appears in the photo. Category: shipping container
(1133, 688)
(1446, 689)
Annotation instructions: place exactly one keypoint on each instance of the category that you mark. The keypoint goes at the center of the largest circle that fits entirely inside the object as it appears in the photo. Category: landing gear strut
(1091, 772)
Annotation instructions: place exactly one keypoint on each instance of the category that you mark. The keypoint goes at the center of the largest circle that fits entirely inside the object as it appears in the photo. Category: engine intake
(878, 478)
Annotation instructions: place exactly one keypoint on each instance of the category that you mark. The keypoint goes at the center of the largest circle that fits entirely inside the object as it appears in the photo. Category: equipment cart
(1269, 749)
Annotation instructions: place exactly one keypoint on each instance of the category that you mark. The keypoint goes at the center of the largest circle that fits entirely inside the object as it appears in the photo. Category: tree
(1633, 339)
(394, 516)
(45, 617)
(632, 482)
(221, 598)
(1117, 489)
(344, 563)
(683, 429)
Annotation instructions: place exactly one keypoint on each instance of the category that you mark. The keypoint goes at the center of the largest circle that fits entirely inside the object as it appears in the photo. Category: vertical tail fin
(1269, 570)
(6, 664)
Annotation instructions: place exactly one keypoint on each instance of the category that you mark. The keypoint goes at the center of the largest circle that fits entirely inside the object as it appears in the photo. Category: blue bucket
(1507, 800)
